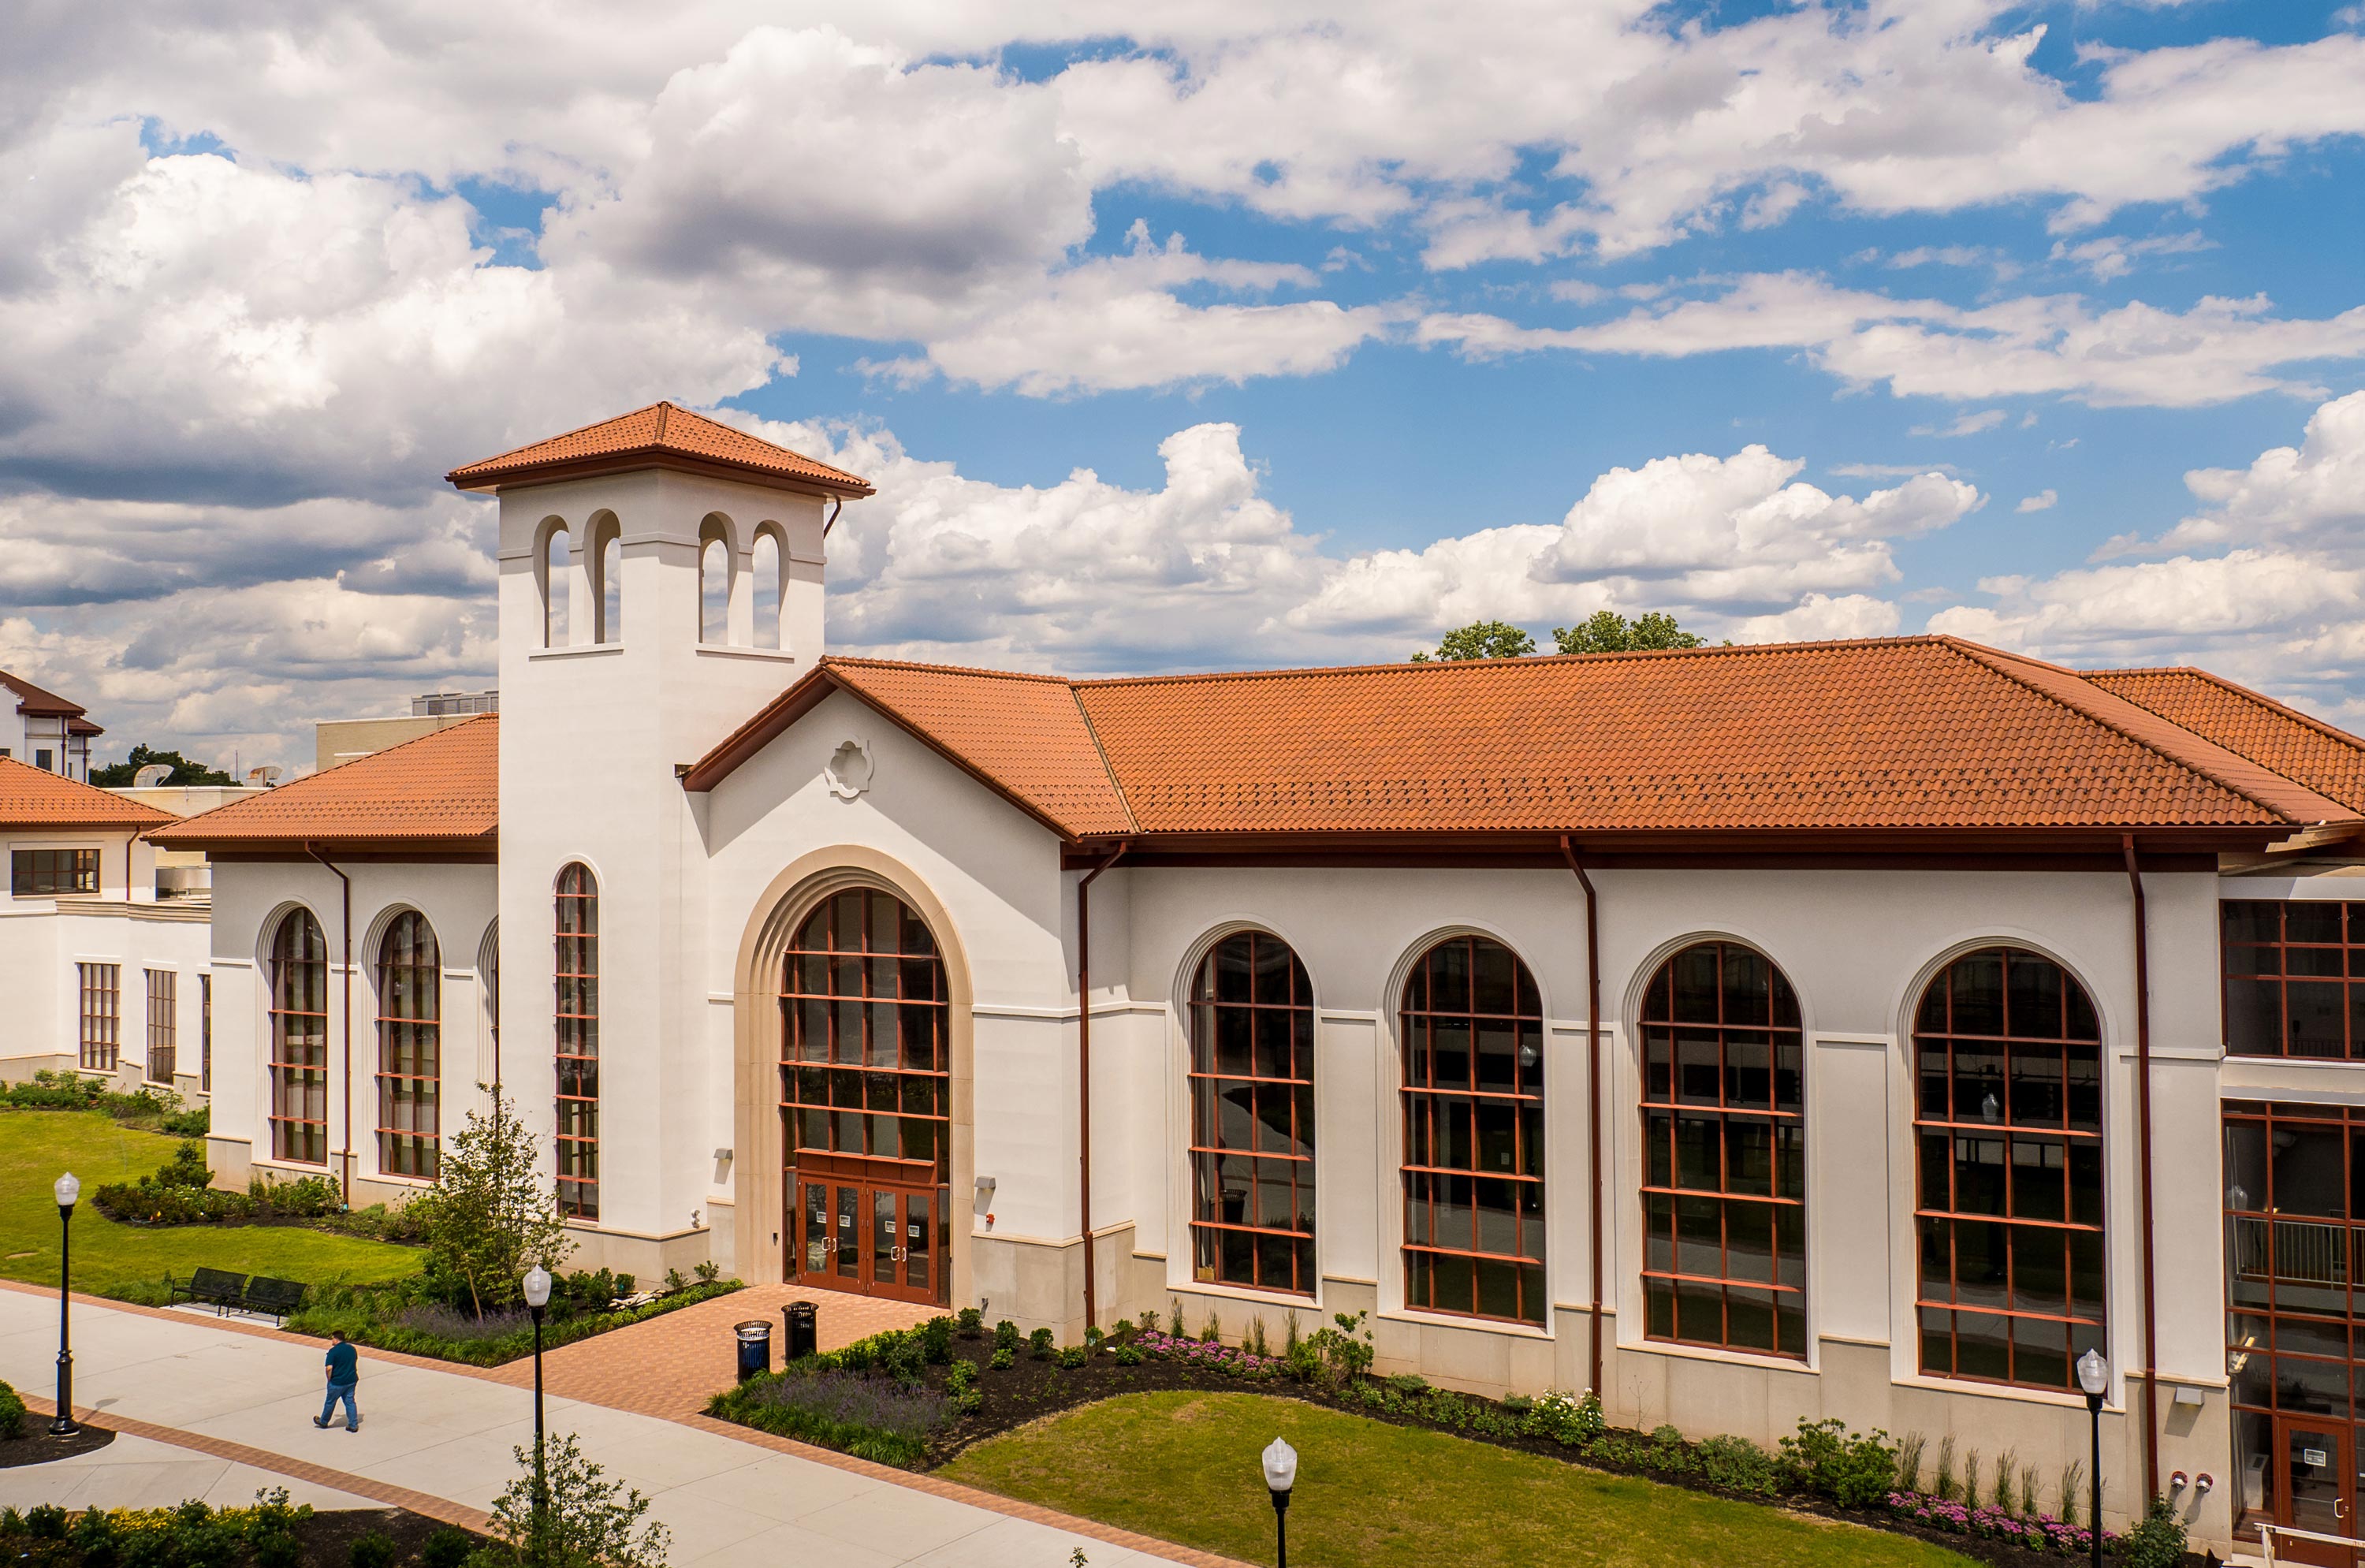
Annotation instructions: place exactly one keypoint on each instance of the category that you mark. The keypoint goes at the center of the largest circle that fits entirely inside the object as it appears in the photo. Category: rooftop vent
(151, 777)
(263, 777)
(443, 704)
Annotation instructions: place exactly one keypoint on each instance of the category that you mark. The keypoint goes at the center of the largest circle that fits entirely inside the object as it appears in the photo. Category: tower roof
(662, 436)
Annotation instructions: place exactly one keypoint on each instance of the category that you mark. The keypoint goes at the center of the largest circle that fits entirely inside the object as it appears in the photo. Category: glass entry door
(869, 1240)
(2319, 1487)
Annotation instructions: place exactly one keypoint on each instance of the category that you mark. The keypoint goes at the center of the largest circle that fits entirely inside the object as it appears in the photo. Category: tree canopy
(119, 775)
(1603, 632)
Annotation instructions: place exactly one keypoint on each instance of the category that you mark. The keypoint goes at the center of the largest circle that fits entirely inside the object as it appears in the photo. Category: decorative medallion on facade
(850, 767)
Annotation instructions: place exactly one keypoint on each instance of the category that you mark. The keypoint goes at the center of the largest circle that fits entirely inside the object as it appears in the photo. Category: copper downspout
(128, 840)
(1084, 1066)
(2142, 1179)
(1592, 1090)
(345, 1169)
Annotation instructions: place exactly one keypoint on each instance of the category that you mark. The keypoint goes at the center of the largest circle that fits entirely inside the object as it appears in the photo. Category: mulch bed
(328, 1538)
(1031, 1390)
(37, 1447)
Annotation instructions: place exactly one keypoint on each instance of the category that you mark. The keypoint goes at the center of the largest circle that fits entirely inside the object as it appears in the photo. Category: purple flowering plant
(2039, 1533)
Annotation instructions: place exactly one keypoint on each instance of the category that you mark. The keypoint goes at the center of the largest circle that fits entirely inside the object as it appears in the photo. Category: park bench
(221, 1291)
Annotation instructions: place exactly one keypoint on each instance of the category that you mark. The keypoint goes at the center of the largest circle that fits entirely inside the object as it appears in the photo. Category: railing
(2271, 1535)
(2302, 1251)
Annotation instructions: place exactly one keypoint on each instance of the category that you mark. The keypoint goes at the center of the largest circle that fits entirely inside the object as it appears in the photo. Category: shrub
(1738, 1465)
(371, 1549)
(708, 1272)
(1093, 1338)
(1073, 1357)
(1039, 1344)
(1213, 1330)
(870, 1417)
(970, 1321)
(446, 1548)
(1004, 1359)
(936, 1341)
(2158, 1542)
(12, 1413)
(1909, 1464)
(1127, 1355)
(46, 1521)
(1569, 1419)
(1122, 1328)
(1406, 1382)
(1853, 1470)
(1005, 1336)
(579, 1521)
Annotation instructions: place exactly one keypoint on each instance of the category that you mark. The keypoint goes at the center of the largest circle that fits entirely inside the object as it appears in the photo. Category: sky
(1190, 337)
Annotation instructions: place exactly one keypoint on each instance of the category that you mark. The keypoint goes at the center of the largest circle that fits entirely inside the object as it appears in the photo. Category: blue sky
(1366, 323)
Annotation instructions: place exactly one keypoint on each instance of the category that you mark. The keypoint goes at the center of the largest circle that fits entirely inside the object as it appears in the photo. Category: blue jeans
(343, 1391)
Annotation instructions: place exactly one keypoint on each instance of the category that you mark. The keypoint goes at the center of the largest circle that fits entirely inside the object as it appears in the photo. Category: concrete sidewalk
(729, 1504)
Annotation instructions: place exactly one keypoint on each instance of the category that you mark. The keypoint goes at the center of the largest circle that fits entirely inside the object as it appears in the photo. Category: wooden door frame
(2279, 1425)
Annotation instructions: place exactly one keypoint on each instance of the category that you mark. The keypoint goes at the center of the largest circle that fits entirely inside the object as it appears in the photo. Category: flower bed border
(378, 1334)
(1035, 1387)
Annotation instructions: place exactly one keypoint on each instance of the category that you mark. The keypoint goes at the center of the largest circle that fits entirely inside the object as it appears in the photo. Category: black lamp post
(537, 1296)
(68, 1191)
(1280, 1475)
(2095, 1376)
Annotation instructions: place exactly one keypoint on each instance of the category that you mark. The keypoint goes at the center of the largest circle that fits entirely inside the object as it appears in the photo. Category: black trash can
(755, 1338)
(804, 1331)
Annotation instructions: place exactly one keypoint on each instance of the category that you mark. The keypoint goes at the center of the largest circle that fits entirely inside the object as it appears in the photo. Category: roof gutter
(2143, 1177)
(1592, 1102)
(1084, 1067)
(345, 1165)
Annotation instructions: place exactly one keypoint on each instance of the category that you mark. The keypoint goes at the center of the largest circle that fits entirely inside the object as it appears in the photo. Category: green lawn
(1182, 1466)
(127, 1261)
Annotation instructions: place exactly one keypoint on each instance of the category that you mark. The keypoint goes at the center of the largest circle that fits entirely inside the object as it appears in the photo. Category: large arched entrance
(866, 1098)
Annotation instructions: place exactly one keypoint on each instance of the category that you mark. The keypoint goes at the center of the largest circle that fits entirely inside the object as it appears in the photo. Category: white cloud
(2044, 500)
(2041, 345)
(2113, 256)
(2280, 608)
(1966, 424)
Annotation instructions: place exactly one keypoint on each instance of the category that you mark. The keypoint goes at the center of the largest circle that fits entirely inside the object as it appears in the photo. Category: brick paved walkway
(671, 1364)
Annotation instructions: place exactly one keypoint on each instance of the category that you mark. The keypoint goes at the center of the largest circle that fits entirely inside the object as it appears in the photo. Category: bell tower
(660, 581)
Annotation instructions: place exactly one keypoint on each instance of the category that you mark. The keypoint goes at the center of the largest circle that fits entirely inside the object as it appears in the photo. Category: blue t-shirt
(344, 1364)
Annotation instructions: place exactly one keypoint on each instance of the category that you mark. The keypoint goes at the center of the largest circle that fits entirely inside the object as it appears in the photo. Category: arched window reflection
(1252, 1116)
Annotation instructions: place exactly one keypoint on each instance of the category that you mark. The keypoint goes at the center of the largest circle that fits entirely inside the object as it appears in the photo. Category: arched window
(1472, 1036)
(606, 558)
(410, 1047)
(2008, 1115)
(577, 1046)
(865, 1098)
(1252, 1116)
(555, 570)
(300, 1040)
(1724, 1154)
(770, 563)
(713, 584)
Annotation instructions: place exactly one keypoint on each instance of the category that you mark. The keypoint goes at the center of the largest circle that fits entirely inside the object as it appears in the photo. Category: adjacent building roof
(33, 701)
(661, 435)
(440, 793)
(1899, 735)
(31, 798)
(2329, 761)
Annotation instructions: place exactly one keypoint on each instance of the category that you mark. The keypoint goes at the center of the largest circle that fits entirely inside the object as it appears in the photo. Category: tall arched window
(1472, 1035)
(769, 563)
(1252, 1116)
(713, 584)
(606, 558)
(577, 1046)
(410, 1047)
(865, 1098)
(556, 557)
(1724, 1154)
(2008, 1115)
(300, 1040)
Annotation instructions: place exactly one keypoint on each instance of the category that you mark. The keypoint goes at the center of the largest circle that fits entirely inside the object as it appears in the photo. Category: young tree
(1607, 631)
(119, 775)
(585, 1522)
(493, 1210)
(1482, 640)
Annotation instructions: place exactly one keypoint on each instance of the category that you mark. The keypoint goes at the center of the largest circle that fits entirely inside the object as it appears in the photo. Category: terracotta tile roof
(2328, 760)
(440, 791)
(30, 798)
(659, 432)
(31, 699)
(1901, 733)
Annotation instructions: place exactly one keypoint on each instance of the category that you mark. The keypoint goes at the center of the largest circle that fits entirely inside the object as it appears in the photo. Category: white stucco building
(1855, 1029)
(43, 729)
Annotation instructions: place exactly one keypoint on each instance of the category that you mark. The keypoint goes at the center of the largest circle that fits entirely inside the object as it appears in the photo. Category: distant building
(96, 973)
(44, 730)
(336, 742)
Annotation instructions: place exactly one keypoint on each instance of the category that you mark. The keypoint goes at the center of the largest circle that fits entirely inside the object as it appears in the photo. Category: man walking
(344, 1376)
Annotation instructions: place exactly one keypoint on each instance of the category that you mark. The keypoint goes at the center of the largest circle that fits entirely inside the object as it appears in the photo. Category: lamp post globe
(67, 1190)
(537, 1296)
(1280, 1474)
(2094, 1377)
